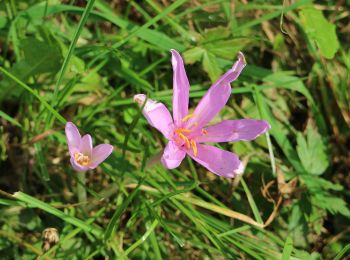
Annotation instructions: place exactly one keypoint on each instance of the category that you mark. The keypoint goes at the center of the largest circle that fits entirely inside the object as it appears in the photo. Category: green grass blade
(154, 243)
(177, 27)
(287, 249)
(20, 241)
(276, 131)
(342, 252)
(10, 119)
(271, 155)
(272, 15)
(142, 239)
(138, 30)
(252, 202)
(41, 161)
(112, 225)
(76, 36)
(233, 231)
(35, 94)
(35, 203)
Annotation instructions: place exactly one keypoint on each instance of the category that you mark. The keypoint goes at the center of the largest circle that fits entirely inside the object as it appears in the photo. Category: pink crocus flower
(83, 156)
(187, 132)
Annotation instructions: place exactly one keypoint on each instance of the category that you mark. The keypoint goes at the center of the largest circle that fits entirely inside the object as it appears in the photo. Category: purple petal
(73, 137)
(235, 71)
(234, 130)
(213, 101)
(172, 156)
(216, 97)
(77, 166)
(218, 161)
(99, 154)
(181, 88)
(86, 145)
(157, 115)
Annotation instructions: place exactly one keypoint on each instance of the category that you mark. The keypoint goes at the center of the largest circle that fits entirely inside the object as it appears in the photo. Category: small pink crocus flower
(187, 132)
(83, 156)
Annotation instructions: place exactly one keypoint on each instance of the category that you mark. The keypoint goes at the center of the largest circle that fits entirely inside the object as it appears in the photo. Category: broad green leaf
(321, 196)
(331, 203)
(42, 57)
(312, 152)
(214, 34)
(315, 184)
(91, 82)
(282, 79)
(320, 30)
(39, 58)
(211, 66)
(215, 43)
(227, 49)
(193, 55)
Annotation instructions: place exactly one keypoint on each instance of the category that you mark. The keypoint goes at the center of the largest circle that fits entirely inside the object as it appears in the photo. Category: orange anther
(187, 117)
(182, 130)
(194, 147)
(204, 132)
(82, 159)
(184, 138)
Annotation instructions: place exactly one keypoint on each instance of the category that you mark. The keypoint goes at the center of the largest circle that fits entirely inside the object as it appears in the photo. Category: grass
(82, 61)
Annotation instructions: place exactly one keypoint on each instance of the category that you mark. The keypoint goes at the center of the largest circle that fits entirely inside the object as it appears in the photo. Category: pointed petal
(234, 130)
(235, 71)
(216, 97)
(73, 137)
(156, 114)
(172, 156)
(210, 105)
(86, 145)
(181, 88)
(99, 154)
(218, 161)
(77, 166)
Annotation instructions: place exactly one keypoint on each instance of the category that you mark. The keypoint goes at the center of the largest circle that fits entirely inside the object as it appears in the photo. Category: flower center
(182, 138)
(82, 159)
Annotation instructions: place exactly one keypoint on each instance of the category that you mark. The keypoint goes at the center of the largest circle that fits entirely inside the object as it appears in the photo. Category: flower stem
(81, 187)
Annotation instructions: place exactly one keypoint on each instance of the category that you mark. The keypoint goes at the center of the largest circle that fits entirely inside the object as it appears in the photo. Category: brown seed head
(50, 238)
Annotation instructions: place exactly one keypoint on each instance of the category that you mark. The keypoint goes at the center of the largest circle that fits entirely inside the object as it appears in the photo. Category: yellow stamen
(194, 147)
(184, 138)
(182, 130)
(204, 132)
(82, 159)
(187, 117)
